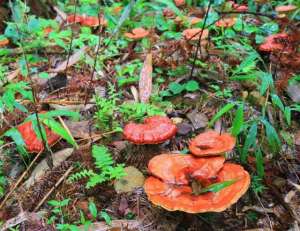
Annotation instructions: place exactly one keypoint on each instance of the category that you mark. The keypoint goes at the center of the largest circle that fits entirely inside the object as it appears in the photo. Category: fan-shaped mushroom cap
(93, 21)
(154, 130)
(179, 2)
(226, 22)
(72, 18)
(137, 33)
(32, 143)
(4, 42)
(176, 168)
(274, 43)
(180, 197)
(211, 143)
(194, 34)
(285, 9)
(240, 8)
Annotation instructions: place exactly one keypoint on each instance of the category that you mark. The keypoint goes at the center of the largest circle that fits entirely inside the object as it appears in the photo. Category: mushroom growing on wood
(277, 42)
(32, 143)
(211, 143)
(170, 189)
(154, 130)
(72, 18)
(137, 33)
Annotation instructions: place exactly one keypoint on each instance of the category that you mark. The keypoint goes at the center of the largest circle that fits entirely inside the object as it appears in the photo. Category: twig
(53, 188)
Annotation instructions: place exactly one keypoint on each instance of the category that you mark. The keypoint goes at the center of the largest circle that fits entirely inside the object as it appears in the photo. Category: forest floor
(69, 86)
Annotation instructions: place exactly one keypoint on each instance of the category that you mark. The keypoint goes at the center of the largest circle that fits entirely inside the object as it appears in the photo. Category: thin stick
(53, 188)
(19, 180)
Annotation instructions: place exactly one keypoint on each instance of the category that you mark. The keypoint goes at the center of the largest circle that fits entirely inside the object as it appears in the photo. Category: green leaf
(223, 110)
(266, 82)
(272, 136)
(288, 115)
(106, 217)
(250, 142)
(170, 4)
(277, 101)
(93, 209)
(259, 163)
(176, 88)
(60, 130)
(217, 186)
(192, 86)
(238, 121)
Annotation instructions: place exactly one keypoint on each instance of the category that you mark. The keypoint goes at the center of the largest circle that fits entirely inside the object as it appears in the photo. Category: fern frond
(80, 175)
(102, 157)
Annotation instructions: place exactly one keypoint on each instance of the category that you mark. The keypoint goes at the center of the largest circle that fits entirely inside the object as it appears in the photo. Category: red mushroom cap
(72, 18)
(179, 195)
(93, 21)
(137, 33)
(4, 42)
(211, 143)
(285, 9)
(154, 130)
(32, 143)
(275, 43)
(225, 22)
(176, 168)
(194, 34)
(179, 2)
(240, 8)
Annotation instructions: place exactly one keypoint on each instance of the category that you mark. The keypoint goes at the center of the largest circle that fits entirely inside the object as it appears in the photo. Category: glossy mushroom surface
(32, 143)
(211, 143)
(195, 33)
(277, 42)
(226, 22)
(174, 197)
(154, 130)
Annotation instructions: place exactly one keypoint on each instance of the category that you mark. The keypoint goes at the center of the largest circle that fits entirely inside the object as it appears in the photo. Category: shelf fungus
(176, 179)
(137, 33)
(211, 143)
(155, 129)
(32, 143)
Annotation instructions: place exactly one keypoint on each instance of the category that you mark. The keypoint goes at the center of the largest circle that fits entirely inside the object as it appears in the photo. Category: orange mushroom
(47, 30)
(92, 21)
(277, 42)
(285, 9)
(195, 20)
(72, 18)
(162, 191)
(177, 168)
(226, 22)
(137, 33)
(154, 130)
(240, 8)
(32, 143)
(211, 143)
(4, 42)
(179, 2)
(194, 34)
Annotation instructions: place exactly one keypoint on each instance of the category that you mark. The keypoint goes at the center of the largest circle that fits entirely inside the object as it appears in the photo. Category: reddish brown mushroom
(240, 8)
(211, 143)
(177, 168)
(154, 130)
(277, 42)
(137, 33)
(72, 18)
(171, 196)
(285, 9)
(93, 21)
(32, 143)
(4, 42)
(225, 22)
(194, 34)
(179, 2)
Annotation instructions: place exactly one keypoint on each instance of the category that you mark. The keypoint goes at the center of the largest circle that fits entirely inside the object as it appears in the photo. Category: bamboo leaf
(217, 186)
(223, 110)
(238, 121)
(250, 142)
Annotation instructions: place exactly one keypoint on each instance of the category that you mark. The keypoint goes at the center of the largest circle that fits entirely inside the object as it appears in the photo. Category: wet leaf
(217, 186)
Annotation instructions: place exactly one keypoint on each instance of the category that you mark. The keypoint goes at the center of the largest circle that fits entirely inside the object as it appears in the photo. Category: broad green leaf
(238, 121)
(259, 163)
(93, 209)
(223, 110)
(272, 136)
(277, 101)
(216, 187)
(266, 82)
(106, 217)
(176, 88)
(60, 130)
(192, 86)
(170, 4)
(288, 115)
(250, 142)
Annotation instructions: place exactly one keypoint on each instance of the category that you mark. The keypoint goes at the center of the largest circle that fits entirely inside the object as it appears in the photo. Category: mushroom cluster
(178, 180)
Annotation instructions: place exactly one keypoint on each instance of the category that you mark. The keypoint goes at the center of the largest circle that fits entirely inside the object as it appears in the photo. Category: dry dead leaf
(145, 83)
(115, 225)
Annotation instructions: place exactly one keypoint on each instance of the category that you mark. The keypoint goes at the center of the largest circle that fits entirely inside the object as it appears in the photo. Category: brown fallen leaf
(145, 83)
(115, 225)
